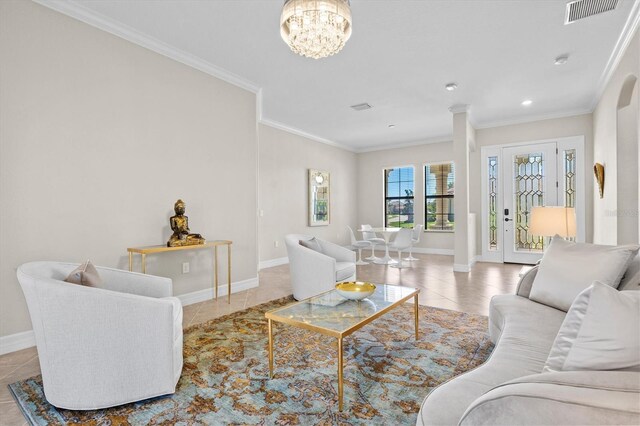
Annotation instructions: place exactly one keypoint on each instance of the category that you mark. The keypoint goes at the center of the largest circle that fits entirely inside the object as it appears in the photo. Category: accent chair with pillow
(550, 366)
(317, 265)
(106, 341)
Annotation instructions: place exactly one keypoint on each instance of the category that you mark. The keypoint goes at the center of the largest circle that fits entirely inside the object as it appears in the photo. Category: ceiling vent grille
(361, 107)
(581, 9)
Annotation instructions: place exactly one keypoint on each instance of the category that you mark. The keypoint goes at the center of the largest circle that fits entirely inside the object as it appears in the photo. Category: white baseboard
(16, 342)
(26, 339)
(273, 262)
(461, 267)
(427, 250)
(208, 294)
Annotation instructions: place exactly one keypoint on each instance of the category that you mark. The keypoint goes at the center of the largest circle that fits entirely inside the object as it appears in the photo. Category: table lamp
(551, 221)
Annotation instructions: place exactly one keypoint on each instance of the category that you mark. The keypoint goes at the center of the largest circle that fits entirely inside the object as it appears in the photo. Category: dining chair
(415, 239)
(401, 243)
(359, 244)
(369, 235)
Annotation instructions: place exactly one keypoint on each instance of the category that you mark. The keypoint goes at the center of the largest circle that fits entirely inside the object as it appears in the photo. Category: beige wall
(98, 139)
(371, 186)
(580, 125)
(605, 144)
(285, 159)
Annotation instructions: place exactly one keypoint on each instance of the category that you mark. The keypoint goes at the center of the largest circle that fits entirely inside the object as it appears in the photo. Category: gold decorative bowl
(355, 290)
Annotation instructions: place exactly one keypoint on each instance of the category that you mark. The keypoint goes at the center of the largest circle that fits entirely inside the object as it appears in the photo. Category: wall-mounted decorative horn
(598, 170)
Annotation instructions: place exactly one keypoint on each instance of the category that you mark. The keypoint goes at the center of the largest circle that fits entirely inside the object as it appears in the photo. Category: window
(398, 193)
(438, 197)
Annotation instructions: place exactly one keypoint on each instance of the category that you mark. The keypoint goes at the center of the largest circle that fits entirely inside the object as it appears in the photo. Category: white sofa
(510, 388)
(107, 346)
(314, 272)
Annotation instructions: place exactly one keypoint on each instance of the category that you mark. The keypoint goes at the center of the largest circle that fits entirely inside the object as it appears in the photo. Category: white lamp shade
(550, 221)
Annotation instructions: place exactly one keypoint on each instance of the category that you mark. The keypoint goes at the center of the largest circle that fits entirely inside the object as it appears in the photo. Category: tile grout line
(18, 367)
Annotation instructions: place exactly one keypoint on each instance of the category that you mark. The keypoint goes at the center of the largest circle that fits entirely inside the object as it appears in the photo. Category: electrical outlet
(185, 268)
(276, 243)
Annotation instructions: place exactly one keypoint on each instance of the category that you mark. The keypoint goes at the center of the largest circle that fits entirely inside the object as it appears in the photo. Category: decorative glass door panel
(493, 194)
(529, 176)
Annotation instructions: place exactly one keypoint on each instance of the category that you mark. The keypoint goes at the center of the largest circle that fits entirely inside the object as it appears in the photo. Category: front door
(521, 176)
(530, 180)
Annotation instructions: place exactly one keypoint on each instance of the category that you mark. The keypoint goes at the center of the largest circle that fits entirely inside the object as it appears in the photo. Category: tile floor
(439, 285)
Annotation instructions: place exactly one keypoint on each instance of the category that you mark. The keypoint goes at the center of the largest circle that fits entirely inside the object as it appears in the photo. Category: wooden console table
(144, 251)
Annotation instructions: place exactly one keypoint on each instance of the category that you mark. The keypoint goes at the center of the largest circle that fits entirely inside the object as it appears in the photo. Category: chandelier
(316, 28)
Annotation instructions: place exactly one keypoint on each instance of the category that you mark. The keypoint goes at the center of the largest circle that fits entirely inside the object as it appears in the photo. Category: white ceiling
(399, 58)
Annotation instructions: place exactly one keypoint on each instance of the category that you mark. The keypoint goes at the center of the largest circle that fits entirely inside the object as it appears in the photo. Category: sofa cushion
(600, 332)
(344, 270)
(523, 331)
(567, 268)
(563, 398)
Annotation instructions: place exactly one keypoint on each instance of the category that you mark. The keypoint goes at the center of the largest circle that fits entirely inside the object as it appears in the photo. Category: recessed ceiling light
(527, 102)
(391, 126)
(451, 87)
(562, 59)
(361, 107)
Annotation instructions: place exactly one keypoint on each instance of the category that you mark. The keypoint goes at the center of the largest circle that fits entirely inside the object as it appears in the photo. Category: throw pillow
(567, 268)
(85, 274)
(312, 244)
(631, 279)
(600, 332)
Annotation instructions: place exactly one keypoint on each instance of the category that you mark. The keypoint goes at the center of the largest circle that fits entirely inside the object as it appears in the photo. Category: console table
(144, 251)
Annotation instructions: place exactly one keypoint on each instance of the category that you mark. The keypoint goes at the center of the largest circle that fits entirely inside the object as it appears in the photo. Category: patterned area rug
(225, 379)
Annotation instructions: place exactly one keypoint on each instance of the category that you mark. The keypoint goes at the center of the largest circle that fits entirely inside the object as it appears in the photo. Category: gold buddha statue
(180, 227)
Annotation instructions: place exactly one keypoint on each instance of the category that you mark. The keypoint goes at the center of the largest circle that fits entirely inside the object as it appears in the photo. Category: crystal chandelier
(316, 28)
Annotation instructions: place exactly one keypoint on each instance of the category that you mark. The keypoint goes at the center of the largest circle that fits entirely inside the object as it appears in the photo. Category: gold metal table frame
(144, 251)
(340, 335)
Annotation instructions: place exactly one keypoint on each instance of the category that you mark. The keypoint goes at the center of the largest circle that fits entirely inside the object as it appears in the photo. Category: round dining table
(386, 234)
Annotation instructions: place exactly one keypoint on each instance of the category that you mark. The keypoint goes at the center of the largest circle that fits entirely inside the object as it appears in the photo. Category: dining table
(386, 233)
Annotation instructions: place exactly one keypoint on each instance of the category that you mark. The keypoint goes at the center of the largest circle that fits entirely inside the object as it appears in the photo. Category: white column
(463, 141)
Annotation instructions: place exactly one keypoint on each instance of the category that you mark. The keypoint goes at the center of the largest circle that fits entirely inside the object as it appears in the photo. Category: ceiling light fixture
(391, 126)
(527, 102)
(561, 60)
(361, 107)
(316, 28)
(451, 87)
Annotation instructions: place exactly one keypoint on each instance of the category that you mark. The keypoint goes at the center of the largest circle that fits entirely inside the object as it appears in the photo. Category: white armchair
(316, 271)
(107, 346)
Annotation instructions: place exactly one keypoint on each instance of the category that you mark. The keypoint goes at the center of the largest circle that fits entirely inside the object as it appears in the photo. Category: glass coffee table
(332, 315)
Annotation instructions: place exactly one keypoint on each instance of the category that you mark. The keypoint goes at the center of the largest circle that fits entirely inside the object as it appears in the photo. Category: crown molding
(310, 136)
(77, 11)
(628, 31)
(533, 118)
(83, 14)
(428, 141)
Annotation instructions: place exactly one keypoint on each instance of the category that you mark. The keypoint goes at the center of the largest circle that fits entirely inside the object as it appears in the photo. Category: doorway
(518, 177)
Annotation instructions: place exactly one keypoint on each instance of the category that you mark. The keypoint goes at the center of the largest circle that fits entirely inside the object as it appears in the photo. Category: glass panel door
(530, 179)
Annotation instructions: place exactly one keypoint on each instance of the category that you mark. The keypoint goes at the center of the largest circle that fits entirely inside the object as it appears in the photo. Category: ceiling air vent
(581, 9)
(361, 107)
